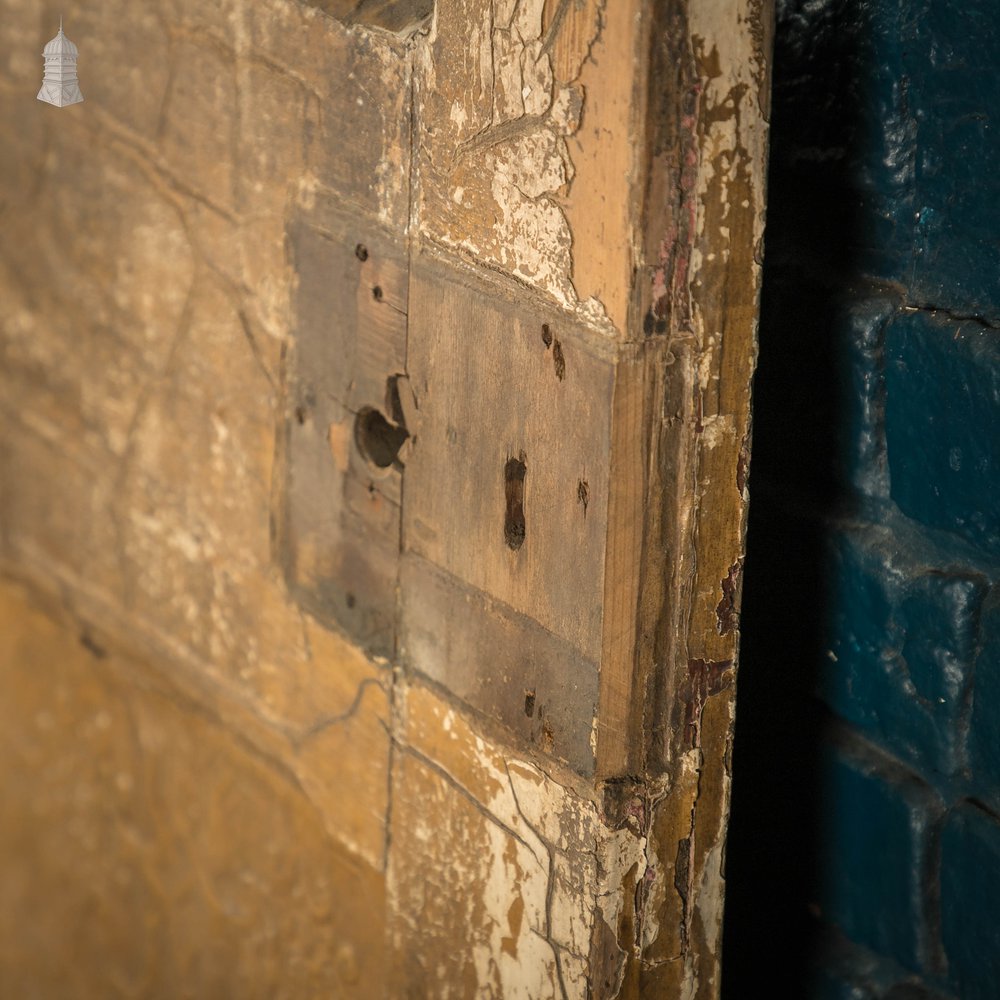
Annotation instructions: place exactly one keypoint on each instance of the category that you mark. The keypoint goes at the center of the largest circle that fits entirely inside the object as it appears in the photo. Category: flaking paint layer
(504, 171)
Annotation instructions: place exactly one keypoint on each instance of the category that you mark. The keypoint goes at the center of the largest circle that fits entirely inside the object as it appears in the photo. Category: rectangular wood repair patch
(446, 467)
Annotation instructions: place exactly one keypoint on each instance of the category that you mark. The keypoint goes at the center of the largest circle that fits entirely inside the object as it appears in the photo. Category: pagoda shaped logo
(60, 85)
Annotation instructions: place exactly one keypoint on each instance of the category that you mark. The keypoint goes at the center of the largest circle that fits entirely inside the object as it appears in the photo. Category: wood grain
(500, 376)
(340, 524)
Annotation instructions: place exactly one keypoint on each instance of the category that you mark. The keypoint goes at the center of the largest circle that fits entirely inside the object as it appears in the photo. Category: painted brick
(900, 644)
(882, 177)
(844, 160)
(942, 416)
(952, 91)
(827, 984)
(871, 893)
(970, 901)
(913, 991)
(842, 970)
(907, 99)
(880, 151)
(829, 413)
(984, 730)
(892, 105)
(858, 451)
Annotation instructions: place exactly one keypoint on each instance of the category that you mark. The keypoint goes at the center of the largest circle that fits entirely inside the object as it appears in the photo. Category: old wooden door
(376, 398)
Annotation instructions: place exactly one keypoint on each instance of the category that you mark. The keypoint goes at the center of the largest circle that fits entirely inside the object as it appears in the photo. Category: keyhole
(513, 479)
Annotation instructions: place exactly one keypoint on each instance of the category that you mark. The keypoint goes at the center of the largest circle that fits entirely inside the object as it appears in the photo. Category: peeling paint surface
(709, 136)
(496, 177)
(216, 759)
(548, 864)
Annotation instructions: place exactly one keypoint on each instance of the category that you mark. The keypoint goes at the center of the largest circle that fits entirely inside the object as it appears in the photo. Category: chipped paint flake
(503, 144)
(548, 865)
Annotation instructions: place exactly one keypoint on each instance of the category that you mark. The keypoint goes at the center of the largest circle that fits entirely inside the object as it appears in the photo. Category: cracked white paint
(621, 852)
(732, 142)
(731, 157)
(717, 428)
(506, 150)
(551, 869)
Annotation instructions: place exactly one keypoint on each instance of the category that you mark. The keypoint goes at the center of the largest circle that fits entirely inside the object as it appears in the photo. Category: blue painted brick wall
(871, 624)
(867, 806)
(970, 901)
(953, 93)
(984, 734)
(900, 638)
(942, 416)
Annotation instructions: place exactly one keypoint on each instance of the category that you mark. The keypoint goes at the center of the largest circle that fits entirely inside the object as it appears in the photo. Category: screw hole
(361, 252)
(377, 439)
(513, 478)
(377, 293)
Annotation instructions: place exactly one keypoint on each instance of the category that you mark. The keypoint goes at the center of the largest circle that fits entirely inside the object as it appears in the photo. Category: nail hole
(583, 494)
(94, 648)
(377, 439)
(361, 252)
(546, 336)
(513, 478)
(529, 703)
(300, 415)
(351, 600)
(377, 293)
